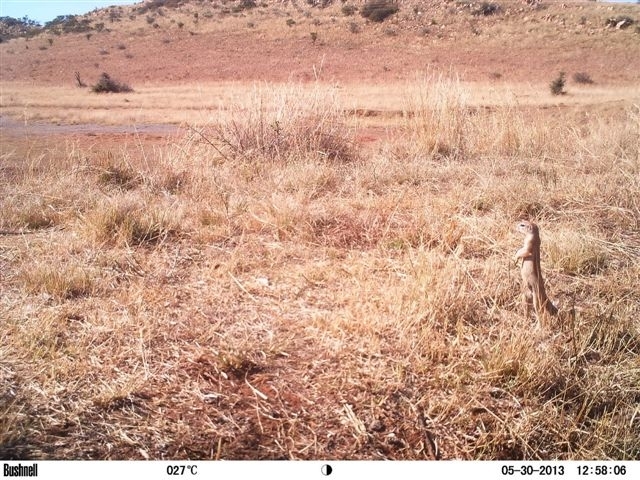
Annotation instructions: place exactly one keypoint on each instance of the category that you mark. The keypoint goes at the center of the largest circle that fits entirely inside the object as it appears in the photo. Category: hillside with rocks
(185, 41)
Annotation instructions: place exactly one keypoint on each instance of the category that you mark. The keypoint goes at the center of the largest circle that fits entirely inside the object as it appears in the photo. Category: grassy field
(370, 104)
(262, 285)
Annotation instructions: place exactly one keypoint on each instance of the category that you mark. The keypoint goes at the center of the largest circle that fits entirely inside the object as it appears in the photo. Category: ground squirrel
(533, 290)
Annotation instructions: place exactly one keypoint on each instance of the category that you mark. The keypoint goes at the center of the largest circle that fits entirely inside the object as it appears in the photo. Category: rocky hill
(380, 40)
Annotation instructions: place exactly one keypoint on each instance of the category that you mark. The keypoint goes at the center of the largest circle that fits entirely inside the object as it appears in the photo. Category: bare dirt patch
(9, 126)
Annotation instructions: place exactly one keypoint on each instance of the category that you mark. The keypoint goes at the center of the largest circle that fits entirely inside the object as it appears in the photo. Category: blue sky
(45, 10)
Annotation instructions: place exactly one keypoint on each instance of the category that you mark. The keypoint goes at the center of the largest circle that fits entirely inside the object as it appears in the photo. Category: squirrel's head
(526, 227)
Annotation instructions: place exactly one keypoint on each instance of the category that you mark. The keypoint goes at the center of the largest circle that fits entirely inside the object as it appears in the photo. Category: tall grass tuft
(62, 282)
(130, 221)
(437, 116)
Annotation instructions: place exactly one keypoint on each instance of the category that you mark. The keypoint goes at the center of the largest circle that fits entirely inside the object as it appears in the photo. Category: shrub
(152, 5)
(486, 9)
(106, 84)
(378, 10)
(68, 24)
(244, 5)
(582, 77)
(348, 10)
(557, 85)
(285, 125)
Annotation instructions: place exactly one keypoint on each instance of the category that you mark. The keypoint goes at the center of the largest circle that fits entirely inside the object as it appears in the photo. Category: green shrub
(379, 10)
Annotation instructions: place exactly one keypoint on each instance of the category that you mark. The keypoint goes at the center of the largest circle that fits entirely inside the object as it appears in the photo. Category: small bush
(68, 24)
(106, 84)
(378, 10)
(286, 124)
(348, 10)
(582, 77)
(244, 5)
(486, 9)
(155, 5)
(557, 85)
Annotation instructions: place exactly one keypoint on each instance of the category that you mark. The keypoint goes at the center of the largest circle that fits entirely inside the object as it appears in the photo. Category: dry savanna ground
(307, 270)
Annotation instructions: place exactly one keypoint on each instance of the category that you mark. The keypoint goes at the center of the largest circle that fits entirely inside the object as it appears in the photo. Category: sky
(46, 10)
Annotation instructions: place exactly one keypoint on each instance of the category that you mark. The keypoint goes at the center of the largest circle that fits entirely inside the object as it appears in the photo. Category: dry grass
(184, 302)
(205, 102)
(284, 125)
